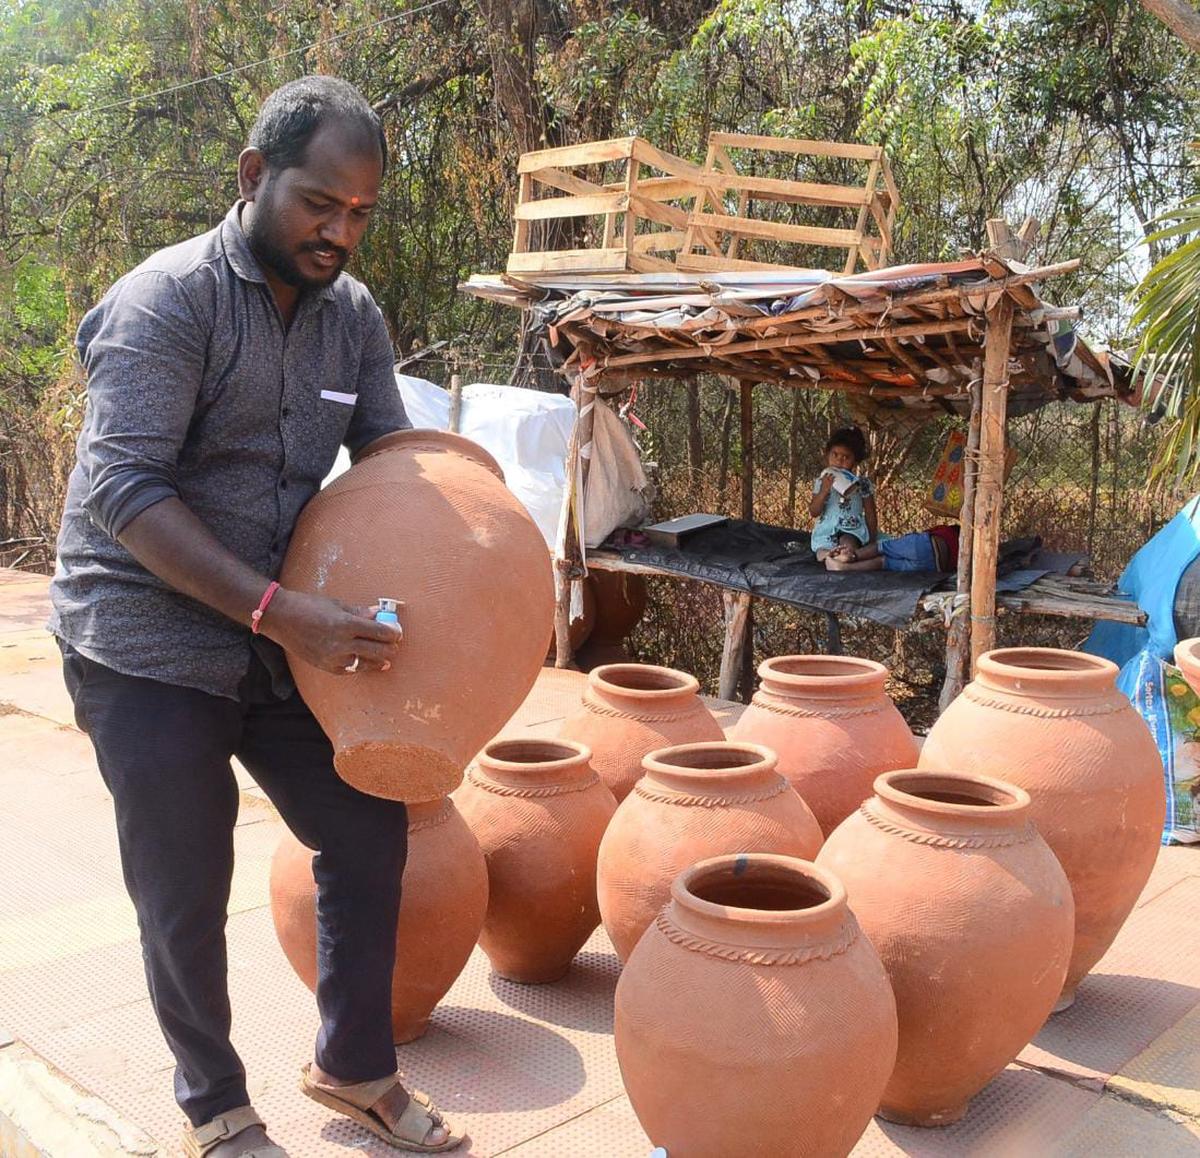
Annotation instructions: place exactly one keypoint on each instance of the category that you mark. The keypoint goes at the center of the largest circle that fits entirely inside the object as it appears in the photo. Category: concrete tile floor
(528, 1071)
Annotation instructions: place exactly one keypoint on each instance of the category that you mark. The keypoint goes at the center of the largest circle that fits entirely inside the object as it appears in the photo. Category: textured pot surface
(538, 812)
(694, 802)
(1053, 722)
(1187, 659)
(973, 918)
(441, 911)
(424, 517)
(631, 709)
(833, 727)
(753, 1017)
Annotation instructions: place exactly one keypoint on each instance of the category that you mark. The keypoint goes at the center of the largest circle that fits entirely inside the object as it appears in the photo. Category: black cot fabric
(778, 563)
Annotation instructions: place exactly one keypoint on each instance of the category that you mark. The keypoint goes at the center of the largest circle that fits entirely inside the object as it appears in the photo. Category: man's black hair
(853, 440)
(292, 114)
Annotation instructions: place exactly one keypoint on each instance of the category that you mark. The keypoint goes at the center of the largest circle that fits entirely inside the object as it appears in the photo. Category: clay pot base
(1064, 1002)
(928, 1121)
(534, 978)
(405, 772)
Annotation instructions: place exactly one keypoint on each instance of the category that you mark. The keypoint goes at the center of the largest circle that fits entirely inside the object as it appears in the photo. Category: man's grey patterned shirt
(195, 391)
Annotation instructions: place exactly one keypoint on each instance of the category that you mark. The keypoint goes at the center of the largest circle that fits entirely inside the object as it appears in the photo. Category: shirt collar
(242, 260)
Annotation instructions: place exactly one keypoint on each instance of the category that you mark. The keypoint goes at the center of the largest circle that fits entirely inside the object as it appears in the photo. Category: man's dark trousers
(164, 754)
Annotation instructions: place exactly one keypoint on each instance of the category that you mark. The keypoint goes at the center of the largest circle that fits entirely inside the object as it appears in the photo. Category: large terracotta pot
(1053, 722)
(538, 811)
(694, 801)
(833, 727)
(442, 906)
(753, 1017)
(629, 710)
(973, 918)
(424, 517)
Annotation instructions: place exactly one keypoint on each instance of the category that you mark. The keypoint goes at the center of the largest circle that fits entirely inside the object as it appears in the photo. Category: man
(223, 375)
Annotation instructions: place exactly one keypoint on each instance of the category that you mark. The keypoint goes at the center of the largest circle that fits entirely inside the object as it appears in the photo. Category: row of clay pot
(539, 812)
(808, 1028)
(827, 718)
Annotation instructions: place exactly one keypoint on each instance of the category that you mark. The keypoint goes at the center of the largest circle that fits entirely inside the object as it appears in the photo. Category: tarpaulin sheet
(778, 563)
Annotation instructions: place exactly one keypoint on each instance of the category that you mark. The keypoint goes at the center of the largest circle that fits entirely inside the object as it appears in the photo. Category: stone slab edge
(44, 1114)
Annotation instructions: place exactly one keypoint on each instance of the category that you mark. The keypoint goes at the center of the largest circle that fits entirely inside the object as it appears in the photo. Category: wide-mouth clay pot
(1187, 659)
(1054, 723)
(629, 710)
(750, 1007)
(833, 726)
(695, 801)
(424, 517)
(974, 920)
(538, 811)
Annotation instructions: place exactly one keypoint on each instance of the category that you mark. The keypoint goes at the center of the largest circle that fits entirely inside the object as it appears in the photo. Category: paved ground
(530, 1071)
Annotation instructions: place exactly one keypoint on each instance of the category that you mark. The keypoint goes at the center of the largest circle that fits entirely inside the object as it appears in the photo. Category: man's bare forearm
(171, 542)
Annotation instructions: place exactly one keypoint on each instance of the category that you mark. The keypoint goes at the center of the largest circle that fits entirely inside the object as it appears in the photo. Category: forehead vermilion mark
(355, 200)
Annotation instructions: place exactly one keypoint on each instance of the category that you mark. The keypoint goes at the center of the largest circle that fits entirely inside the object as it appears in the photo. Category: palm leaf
(1167, 306)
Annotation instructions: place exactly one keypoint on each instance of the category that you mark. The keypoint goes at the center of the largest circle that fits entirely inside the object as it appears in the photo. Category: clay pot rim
(758, 760)
(718, 867)
(676, 682)
(559, 755)
(900, 787)
(1046, 669)
(1187, 653)
(855, 674)
(452, 442)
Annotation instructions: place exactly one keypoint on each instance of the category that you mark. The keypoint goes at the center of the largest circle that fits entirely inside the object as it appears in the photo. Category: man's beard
(271, 255)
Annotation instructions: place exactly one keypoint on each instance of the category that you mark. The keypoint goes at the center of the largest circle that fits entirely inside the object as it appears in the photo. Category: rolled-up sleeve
(379, 409)
(143, 349)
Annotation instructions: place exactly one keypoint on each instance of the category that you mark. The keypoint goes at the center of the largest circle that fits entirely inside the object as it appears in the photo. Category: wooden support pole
(737, 625)
(746, 666)
(456, 400)
(958, 632)
(989, 484)
(747, 415)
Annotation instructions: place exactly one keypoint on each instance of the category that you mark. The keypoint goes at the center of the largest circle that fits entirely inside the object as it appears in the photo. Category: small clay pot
(538, 811)
(631, 709)
(424, 517)
(442, 906)
(973, 918)
(1053, 722)
(1187, 659)
(695, 801)
(753, 1017)
(833, 727)
(620, 602)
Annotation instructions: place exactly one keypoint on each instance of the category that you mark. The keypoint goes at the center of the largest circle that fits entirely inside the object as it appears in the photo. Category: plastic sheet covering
(526, 431)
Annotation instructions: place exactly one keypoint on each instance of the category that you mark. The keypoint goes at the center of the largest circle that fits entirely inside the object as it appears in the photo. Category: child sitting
(932, 550)
(843, 503)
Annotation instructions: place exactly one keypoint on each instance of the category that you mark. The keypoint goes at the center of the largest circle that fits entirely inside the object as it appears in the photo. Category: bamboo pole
(989, 483)
(747, 643)
(958, 633)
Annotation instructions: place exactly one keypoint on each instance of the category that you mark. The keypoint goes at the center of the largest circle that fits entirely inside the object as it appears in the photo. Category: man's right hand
(329, 635)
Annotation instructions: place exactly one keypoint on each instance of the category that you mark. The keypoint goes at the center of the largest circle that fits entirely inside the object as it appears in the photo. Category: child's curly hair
(853, 440)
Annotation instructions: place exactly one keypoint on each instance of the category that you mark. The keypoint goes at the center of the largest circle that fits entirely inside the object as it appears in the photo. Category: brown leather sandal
(199, 1140)
(357, 1102)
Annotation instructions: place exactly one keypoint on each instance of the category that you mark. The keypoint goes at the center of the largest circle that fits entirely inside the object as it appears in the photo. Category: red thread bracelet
(256, 616)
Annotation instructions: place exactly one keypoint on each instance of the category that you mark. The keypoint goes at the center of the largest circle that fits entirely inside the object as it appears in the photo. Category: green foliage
(121, 122)
(1168, 359)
